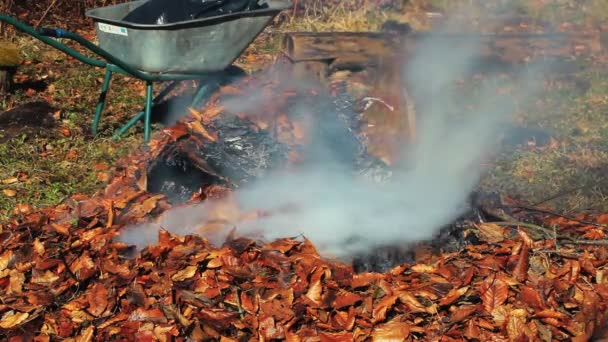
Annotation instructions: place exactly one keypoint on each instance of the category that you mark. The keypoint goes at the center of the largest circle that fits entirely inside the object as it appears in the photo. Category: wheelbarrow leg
(148, 110)
(203, 90)
(142, 114)
(209, 85)
(102, 100)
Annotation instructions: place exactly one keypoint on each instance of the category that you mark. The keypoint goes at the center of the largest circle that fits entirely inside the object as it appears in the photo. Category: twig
(552, 213)
(45, 14)
(535, 227)
(591, 242)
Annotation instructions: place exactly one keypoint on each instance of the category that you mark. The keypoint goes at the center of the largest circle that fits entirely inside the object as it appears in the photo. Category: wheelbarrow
(199, 49)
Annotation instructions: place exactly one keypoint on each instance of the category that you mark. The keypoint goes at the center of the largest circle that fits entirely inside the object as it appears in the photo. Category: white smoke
(343, 214)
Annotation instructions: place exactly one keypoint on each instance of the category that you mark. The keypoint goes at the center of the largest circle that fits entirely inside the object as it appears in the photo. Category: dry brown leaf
(552, 314)
(44, 278)
(380, 310)
(9, 192)
(5, 259)
(84, 267)
(345, 298)
(87, 334)
(12, 319)
(462, 313)
(472, 330)
(531, 297)
(39, 247)
(494, 292)
(491, 233)
(344, 336)
(97, 297)
(453, 296)
(11, 180)
(391, 331)
(154, 315)
(521, 268)
(422, 268)
(184, 274)
(270, 330)
(23, 209)
(516, 327)
(16, 282)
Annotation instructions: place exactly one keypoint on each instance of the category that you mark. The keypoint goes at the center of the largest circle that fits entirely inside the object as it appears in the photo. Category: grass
(51, 166)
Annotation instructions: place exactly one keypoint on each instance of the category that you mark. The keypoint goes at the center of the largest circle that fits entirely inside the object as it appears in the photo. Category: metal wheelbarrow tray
(200, 49)
(193, 46)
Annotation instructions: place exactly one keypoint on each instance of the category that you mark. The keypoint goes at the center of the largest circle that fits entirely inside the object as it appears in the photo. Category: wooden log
(10, 58)
(360, 48)
(377, 59)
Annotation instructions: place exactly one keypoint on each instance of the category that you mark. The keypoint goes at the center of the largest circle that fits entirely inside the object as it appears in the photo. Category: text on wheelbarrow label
(113, 29)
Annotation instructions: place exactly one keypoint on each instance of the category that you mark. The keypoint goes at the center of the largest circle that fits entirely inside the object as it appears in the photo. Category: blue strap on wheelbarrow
(52, 32)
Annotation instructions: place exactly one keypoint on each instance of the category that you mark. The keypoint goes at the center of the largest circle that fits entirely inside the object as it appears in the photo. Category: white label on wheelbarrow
(113, 29)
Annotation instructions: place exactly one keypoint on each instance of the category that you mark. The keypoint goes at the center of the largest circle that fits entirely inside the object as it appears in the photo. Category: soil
(30, 118)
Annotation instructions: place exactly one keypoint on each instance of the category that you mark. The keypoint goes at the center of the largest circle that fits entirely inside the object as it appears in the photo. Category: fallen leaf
(453, 295)
(391, 331)
(462, 313)
(270, 330)
(154, 315)
(23, 209)
(39, 247)
(494, 292)
(9, 192)
(472, 330)
(11, 180)
(16, 282)
(12, 319)
(87, 334)
(184, 274)
(531, 297)
(491, 233)
(516, 327)
(97, 297)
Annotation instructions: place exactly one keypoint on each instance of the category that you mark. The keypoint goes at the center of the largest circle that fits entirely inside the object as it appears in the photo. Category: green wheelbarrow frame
(114, 65)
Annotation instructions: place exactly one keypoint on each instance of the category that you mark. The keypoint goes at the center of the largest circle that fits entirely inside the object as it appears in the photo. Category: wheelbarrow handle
(52, 32)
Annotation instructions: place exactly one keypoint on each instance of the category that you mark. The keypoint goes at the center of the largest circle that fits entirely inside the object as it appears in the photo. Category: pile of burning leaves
(63, 275)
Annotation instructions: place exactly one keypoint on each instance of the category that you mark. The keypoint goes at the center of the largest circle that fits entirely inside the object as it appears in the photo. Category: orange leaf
(531, 297)
(197, 127)
(462, 313)
(391, 331)
(344, 336)
(422, 268)
(345, 298)
(516, 327)
(9, 192)
(365, 279)
(185, 274)
(98, 299)
(380, 310)
(494, 292)
(521, 268)
(472, 330)
(552, 314)
(12, 319)
(16, 282)
(453, 296)
(269, 330)
(152, 315)
(491, 233)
